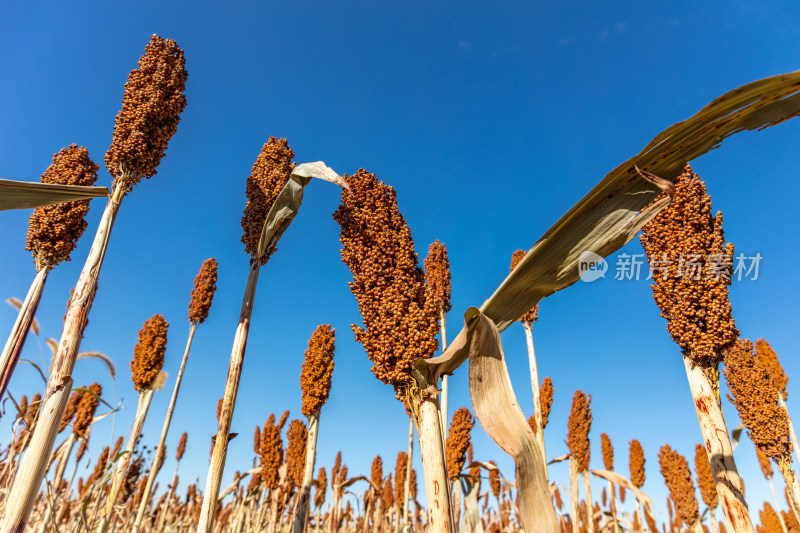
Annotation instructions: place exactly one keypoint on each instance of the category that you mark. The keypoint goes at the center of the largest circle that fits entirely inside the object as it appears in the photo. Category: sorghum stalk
(148, 360)
(315, 382)
(200, 303)
(527, 324)
(269, 174)
(696, 306)
(400, 321)
(53, 233)
(151, 108)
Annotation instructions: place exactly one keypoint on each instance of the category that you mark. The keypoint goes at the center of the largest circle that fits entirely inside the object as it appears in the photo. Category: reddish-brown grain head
(764, 463)
(531, 316)
(608, 451)
(320, 487)
(151, 109)
(494, 480)
(678, 478)
(400, 322)
(269, 175)
(297, 437)
(692, 267)
(148, 354)
(770, 522)
(205, 284)
(181, 447)
(400, 475)
(437, 276)
(458, 441)
(546, 399)
(705, 478)
(412, 487)
(271, 452)
(70, 409)
(756, 399)
(376, 471)
(578, 427)
(315, 375)
(387, 495)
(86, 408)
(636, 463)
(770, 361)
(54, 230)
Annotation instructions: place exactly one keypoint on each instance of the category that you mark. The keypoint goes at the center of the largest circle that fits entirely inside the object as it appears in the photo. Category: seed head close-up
(267, 178)
(437, 276)
(531, 316)
(148, 354)
(756, 399)
(578, 427)
(770, 361)
(705, 478)
(608, 451)
(315, 375)
(54, 230)
(678, 478)
(297, 437)
(692, 268)
(636, 463)
(205, 284)
(400, 322)
(86, 409)
(458, 440)
(151, 110)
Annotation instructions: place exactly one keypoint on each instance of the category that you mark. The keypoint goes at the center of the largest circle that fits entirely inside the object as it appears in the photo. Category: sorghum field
(399, 268)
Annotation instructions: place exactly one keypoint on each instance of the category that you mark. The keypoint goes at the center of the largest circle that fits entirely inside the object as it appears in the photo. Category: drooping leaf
(26, 194)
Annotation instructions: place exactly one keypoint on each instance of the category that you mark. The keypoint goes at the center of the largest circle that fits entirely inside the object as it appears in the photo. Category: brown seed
(148, 354)
(270, 173)
(770, 361)
(271, 452)
(321, 486)
(315, 375)
(151, 109)
(578, 427)
(636, 463)
(458, 441)
(205, 284)
(400, 476)
(608, 451)
(181, 447)
(86, 409)
(705, 479)
(694, 300)
(678, 478)
(400, 322)
(437, 276)
(756, 400)
(54, 230)
(546, 399)
(376, 471)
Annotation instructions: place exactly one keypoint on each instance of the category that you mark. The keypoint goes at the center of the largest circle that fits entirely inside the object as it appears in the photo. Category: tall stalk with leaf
(148, 359)
(151, 108)
(205, 284)
(315, 382)
(400, 321)
(53, 233)
(692, 267)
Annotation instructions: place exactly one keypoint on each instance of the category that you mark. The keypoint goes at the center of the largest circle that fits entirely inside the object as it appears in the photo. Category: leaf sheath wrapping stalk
(500, 415)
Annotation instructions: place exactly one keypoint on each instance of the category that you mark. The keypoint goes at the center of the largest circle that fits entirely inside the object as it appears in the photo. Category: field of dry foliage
(404, 306)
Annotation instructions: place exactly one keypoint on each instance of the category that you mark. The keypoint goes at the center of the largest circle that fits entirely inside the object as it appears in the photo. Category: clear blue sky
(490, 120)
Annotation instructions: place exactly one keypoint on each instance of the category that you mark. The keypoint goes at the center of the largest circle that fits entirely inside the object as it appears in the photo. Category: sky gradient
(489, 120)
